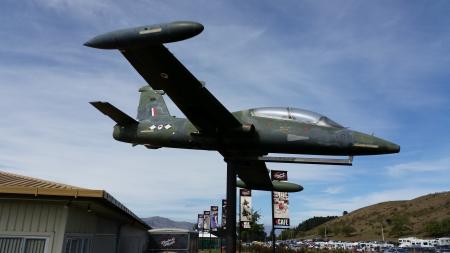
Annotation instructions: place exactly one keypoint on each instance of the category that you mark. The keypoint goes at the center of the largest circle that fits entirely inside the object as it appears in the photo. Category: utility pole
(231, 209)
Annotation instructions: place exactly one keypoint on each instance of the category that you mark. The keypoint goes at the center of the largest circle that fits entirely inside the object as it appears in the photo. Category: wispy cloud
(370, 67)
(334, 189)
(422, 167)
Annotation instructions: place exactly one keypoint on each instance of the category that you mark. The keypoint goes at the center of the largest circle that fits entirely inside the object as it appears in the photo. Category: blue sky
(378, 67)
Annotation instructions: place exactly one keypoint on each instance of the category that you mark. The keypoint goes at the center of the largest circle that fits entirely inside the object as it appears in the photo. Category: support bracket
(308, 160)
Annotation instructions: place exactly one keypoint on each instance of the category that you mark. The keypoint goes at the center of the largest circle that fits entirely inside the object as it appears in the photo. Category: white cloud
(423, 167)
(334, 189)
(367, 77)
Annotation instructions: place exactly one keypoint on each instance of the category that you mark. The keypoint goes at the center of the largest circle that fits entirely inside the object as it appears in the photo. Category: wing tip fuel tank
(146, 35)
(276, 186)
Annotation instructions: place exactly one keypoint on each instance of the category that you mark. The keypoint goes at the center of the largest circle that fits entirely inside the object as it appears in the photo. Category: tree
(322, 231)
(433, 228)
(436, 228)
(344, 213)
(287, 234)
(312, 223)
(255, 232)
(400, 225)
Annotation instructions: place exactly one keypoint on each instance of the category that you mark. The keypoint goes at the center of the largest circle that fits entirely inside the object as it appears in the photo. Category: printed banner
(246, 207)
(280, 201)
(206, 221)
(279, 175)
(200, 223)
(280, 208)
(214, 218)
(224, 214)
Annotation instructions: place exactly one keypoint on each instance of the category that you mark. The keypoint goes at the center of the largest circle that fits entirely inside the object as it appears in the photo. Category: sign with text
(224, 214)
(200, 222)
(279, 175)
(245, 207)
(214, 218)
(280, 201)
(206, 220)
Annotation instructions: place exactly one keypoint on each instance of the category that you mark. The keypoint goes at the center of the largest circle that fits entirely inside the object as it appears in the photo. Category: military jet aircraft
(242, 137)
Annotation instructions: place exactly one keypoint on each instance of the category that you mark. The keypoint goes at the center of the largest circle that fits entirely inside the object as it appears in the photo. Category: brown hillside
(398, 219)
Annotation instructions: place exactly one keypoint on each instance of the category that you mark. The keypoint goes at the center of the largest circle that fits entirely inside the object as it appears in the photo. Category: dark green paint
(241, 137)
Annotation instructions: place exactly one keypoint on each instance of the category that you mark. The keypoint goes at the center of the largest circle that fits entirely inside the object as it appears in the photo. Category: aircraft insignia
(293, 137)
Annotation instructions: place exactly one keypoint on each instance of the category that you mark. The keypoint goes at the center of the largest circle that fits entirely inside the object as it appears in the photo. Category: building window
(22, 245)
(77, 245)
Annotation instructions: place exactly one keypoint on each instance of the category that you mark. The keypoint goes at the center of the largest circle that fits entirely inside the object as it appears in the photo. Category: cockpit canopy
(300, 115)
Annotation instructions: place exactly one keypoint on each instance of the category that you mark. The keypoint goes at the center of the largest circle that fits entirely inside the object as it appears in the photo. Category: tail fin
(115, 114)
(151, 104)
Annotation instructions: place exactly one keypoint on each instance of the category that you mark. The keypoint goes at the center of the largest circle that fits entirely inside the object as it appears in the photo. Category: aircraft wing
(254, 174)
(163, 71)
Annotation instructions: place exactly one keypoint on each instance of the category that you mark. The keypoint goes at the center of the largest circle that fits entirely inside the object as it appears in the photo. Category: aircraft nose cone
(364, 144)
(392, 148)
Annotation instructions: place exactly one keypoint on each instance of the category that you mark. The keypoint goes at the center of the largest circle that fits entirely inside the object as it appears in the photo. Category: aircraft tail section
(115, 114)
(151, 104)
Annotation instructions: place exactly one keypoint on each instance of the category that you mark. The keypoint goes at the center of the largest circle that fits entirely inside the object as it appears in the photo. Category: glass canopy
(300, 115)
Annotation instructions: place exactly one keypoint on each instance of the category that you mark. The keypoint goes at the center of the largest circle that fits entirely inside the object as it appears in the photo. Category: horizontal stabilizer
(276, 186)
(115, 114)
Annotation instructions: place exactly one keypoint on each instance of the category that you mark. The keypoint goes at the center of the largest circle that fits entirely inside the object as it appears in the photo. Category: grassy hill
(426, 216)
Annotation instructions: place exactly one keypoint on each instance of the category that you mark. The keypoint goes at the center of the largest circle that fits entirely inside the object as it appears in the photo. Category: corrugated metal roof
(17, 184)
(11, 180)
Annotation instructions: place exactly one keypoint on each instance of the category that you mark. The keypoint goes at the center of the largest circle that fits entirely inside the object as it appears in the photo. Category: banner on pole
(214, 218)
(200, 223)
(206, 221)
(224, 214)
(279, 175)
(246, 207)
(280, 201)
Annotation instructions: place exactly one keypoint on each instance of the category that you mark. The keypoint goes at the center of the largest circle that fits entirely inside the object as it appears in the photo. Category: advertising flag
(214, 218)
(200, 222)
(224, 214)
(279, 175)
(206, 221)
(246, 207)
(280, 201)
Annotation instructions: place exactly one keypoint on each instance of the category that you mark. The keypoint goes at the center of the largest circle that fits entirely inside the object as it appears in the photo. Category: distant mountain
(425, 216)
(161, 222)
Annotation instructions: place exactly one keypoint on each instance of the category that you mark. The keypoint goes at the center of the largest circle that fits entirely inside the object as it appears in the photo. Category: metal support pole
(203, 235)
(231, 209)
(240, 225)
(273, 225)
(209, 241)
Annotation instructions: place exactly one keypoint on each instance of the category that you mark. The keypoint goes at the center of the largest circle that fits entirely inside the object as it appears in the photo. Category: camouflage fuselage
(269, 135)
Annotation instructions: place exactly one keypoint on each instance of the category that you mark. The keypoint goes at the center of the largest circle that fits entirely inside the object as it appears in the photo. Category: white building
(413, 242)
(39, 216)
(443, 241)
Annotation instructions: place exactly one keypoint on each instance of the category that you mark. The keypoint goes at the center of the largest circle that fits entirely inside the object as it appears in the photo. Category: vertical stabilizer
(151, 104)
